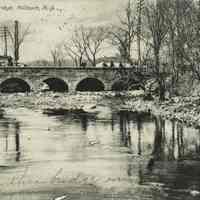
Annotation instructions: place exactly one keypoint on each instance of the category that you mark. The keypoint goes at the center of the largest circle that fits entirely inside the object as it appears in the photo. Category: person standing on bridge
(121, 65)
(112, 65)
(104, 64)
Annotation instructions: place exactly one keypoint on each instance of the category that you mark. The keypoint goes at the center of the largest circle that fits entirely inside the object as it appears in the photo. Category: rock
(194, 193)
(148, 97)
(59, 111)
(61, 198)
(176, 99)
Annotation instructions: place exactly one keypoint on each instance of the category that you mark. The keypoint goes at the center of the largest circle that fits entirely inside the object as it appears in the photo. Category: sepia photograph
(99, 99)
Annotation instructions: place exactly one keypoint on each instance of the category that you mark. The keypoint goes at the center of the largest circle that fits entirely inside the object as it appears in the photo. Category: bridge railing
(141, 69)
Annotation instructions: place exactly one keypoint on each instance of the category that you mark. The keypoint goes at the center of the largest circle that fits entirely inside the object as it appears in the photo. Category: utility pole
(16, 45)
(5, 41)
(139, 24)
(198, 33)
(179, 16)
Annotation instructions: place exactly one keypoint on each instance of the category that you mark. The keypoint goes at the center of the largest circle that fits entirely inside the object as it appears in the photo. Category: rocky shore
(183, 109)
(65, 100)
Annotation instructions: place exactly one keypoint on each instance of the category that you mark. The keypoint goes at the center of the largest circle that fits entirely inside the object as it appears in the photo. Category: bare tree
(18, 36)
(75, 48)
(54, 54)
(140, 6)
(93, 39)
(122, 36)
(181, 23)
(86, 43)
(57, 56)
(155, 14)
(191, 37)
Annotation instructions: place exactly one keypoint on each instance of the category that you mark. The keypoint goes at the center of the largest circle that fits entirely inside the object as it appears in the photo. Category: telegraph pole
(16, 45)
(139, 24)
(198, 33)
(5, 41)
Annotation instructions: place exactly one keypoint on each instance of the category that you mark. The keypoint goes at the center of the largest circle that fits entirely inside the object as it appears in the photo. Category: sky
(52, 21)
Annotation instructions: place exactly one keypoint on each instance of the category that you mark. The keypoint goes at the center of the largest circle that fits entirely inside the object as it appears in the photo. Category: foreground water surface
(79, 156)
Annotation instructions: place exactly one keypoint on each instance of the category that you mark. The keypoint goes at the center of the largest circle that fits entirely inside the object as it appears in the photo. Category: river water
(79, 156)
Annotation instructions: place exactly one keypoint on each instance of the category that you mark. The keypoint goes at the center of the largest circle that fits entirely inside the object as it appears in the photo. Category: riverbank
(65, 100)
(183, 109)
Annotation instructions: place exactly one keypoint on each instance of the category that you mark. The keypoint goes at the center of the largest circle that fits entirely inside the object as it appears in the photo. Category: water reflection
(139, 129)
(10, 139)
(141, 133)
(125, 129)
(128, 150)
(132, 131)
(159, 139)
(174, 141)
(17, 140)
(84, 122)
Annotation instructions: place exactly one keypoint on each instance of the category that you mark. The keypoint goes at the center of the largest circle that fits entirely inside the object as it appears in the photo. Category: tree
(18, 36)
(177, 20)
(181, 23)
(75, 48)
(122, 35)
(140, 6)
(191, 36)
(86, 43)
(155, 14)
(57, 55)
(92, 41)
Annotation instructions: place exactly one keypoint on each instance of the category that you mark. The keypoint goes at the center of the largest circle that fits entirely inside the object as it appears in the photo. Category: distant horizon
(52, 21)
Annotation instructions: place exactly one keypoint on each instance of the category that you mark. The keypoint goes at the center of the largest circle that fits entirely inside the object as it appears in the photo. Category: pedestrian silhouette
(121, 65)
(104, 64)
(112, 64)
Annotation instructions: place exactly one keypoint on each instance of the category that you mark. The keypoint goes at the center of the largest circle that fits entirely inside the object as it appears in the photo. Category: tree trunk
(160, 79)
(94, 61)
(159, 143)
(162, 90)
(80, 60)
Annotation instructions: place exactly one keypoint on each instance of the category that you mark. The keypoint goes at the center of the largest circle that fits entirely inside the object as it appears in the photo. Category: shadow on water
(125, 129)
(173, 157)
(10, 134)
(17, 141)
(130, 133)
(175, 141)
(171, 140)
(132, 148)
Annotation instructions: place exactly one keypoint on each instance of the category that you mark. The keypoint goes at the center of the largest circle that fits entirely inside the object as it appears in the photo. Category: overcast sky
(53, 20)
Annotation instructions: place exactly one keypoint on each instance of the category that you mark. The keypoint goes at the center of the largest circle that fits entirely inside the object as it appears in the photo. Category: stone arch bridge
(68, 79)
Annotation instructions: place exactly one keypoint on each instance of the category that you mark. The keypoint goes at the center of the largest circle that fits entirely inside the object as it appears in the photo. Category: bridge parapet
(35, 68)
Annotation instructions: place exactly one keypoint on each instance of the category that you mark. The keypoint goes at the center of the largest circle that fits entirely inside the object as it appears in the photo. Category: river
(80, 156)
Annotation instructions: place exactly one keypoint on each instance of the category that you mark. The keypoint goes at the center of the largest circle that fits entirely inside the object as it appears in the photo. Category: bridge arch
(56, 84)
(90, 84)
(119, 86)
(14, 85)
(122, 85)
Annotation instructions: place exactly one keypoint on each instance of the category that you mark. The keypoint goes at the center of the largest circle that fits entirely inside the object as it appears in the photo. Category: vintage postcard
(99, 99)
